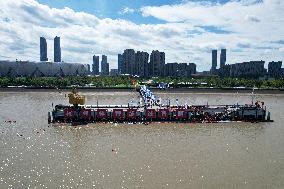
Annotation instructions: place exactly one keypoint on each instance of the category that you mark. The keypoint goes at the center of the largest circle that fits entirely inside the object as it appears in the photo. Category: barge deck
(150, 109)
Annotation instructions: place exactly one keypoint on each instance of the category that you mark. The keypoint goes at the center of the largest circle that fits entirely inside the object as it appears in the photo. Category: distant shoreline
(171, 90)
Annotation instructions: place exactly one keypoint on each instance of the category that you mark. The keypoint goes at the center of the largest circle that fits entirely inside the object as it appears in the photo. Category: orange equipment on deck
(75, 98)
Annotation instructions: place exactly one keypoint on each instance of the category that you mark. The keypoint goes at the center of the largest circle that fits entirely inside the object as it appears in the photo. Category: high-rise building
(186, 70)
(113, 72)
(43, 49)
(104, 66)
(107, 69)
(274, 69)
(171, 69)
(214, 61)
(157, 63)
(128, 61)
(119, 63)
(179, 69)
(223, 58)
(225, 71)
(57, 49)
(182, 70)
(89, 69)
(252, 69)
(141, 62)
(191, 69)
(96, 65)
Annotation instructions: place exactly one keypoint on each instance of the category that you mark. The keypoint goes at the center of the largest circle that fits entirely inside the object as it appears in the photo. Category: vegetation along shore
(126, 83)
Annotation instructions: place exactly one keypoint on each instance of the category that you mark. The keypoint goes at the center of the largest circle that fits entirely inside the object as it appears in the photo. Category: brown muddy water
(34, 154)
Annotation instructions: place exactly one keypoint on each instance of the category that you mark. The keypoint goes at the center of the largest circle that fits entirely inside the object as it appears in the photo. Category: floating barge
(152, 110)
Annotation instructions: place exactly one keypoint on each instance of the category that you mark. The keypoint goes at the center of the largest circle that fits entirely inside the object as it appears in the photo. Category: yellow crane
(75, 98)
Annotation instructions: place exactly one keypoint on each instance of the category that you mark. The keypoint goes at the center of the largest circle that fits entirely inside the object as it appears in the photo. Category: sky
(186, 30)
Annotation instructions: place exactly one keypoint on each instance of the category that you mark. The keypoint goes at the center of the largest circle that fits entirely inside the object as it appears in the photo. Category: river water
(34, 154)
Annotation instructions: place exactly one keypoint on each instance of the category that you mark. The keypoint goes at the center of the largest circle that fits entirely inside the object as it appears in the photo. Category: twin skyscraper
(43, 50)
(214, 60)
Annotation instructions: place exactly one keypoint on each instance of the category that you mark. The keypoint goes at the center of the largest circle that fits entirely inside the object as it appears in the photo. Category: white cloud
(127, 10)
(22, 22)
(252, 18)
(250, 24)
(281, 49)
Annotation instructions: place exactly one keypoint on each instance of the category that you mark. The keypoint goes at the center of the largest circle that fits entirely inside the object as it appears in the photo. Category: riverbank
(170, 90)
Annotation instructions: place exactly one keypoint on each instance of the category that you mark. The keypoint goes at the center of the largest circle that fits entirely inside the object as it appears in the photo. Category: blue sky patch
(112, 9)
(216, 30)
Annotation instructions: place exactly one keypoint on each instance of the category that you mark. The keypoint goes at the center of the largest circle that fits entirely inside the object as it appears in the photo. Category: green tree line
(118, 81)
(126, 81)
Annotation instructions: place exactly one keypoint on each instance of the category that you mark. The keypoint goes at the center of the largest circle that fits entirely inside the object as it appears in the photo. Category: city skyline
(244, 29)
